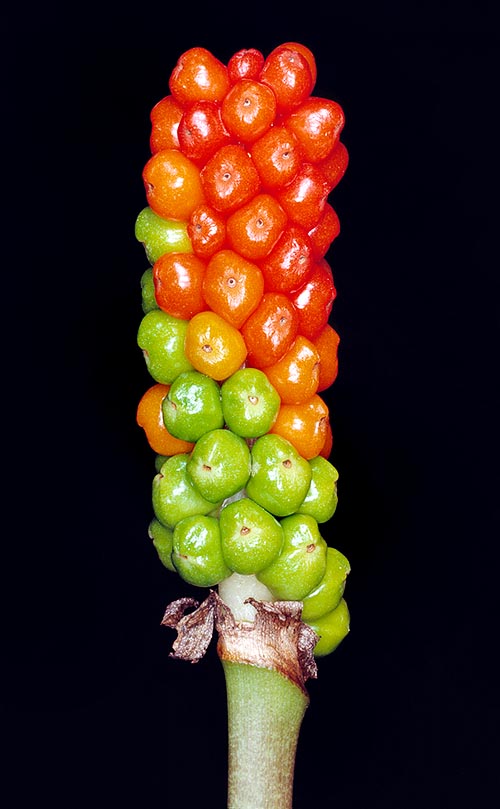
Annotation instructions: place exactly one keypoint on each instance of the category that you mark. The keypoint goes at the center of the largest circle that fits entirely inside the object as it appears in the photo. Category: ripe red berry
(276, 156)
(229, 178)
(254, 229)
(248, 110)
(201, 131)
(245, 64)
(288, 74)
(207, 230)
(335, 165)
(327, 229)
(317, 125)
(270, 330)
(314, 300)
(178, 279)
(198, 76)
(308, 56)
(290, 261)
(304, 199)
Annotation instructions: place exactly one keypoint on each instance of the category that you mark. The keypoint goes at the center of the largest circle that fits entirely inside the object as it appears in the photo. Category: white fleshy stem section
(236, 588)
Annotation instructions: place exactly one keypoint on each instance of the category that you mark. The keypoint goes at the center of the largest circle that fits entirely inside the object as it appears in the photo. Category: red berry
(198, 76)
(290, 261)
(248, 110)
(245, 64)
(276, 156)
(288, 74)
(270, 330)
(335, 165)
(327, 229)
(178, 279)
(229, 178)
(307, 54)
(201, 131)
(304, 199)
(314, 300)
(207, 230)
(317, 125)
(254, 229)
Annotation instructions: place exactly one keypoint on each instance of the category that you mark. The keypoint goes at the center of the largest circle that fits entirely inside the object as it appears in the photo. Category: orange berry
(229, 178)
(198, 76)
(326, 449)
(317, 125)
(254, 229)
(296, 375)
(178, 279)
(325, 232)
(207, 230)
(150, 418)
(165, 117)
(327, 343)
(232, 286)
(213, 346)
(288, 73)
(270, 330)
(248, 110)
(276, 156)
(172, 184)
(305, 425)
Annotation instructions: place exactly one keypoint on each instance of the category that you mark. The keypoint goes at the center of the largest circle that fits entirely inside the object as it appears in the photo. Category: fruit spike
(235, 330)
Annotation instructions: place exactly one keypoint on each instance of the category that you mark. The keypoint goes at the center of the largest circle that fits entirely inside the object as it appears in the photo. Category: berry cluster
(235, 332)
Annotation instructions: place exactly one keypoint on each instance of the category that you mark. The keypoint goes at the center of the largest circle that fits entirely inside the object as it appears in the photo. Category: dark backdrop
(94, 710)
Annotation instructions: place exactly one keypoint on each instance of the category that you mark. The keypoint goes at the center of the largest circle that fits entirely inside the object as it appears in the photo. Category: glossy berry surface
(237, 330)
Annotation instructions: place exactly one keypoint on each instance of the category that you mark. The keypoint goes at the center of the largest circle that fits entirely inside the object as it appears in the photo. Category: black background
(403, 713)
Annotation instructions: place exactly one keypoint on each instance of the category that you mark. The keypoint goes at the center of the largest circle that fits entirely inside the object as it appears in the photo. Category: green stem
(265, 712)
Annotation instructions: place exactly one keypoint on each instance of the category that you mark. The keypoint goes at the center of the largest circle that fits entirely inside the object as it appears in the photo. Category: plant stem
(265, 712)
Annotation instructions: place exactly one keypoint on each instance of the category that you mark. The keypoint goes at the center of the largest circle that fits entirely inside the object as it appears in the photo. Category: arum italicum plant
(236, 299)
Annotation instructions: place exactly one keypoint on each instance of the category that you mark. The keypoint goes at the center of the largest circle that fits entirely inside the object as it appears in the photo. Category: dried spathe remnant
(277, 639)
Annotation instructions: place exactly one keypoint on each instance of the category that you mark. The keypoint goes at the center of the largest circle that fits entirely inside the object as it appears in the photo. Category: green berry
(174, 494)
(321, 499)
(159, 235)
(327, 595)
(219, 464)
(161, 338)
(331, 629)
(197, 553)
(302, 562)
(251, 537)
(162, 540)
(249, 402)
(148, 291)
(192, 406)
(280, 476)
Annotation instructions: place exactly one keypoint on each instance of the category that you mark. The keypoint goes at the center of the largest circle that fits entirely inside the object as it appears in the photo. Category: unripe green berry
(162, 338)
(331, 629)
(326, 596)
(162, 540)
(219, 464)
(197, 553)
(159, 235)
(321, 499)
(251, 537)
(148, 291)
(192, 406)
(174, 494)
(302, 562)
